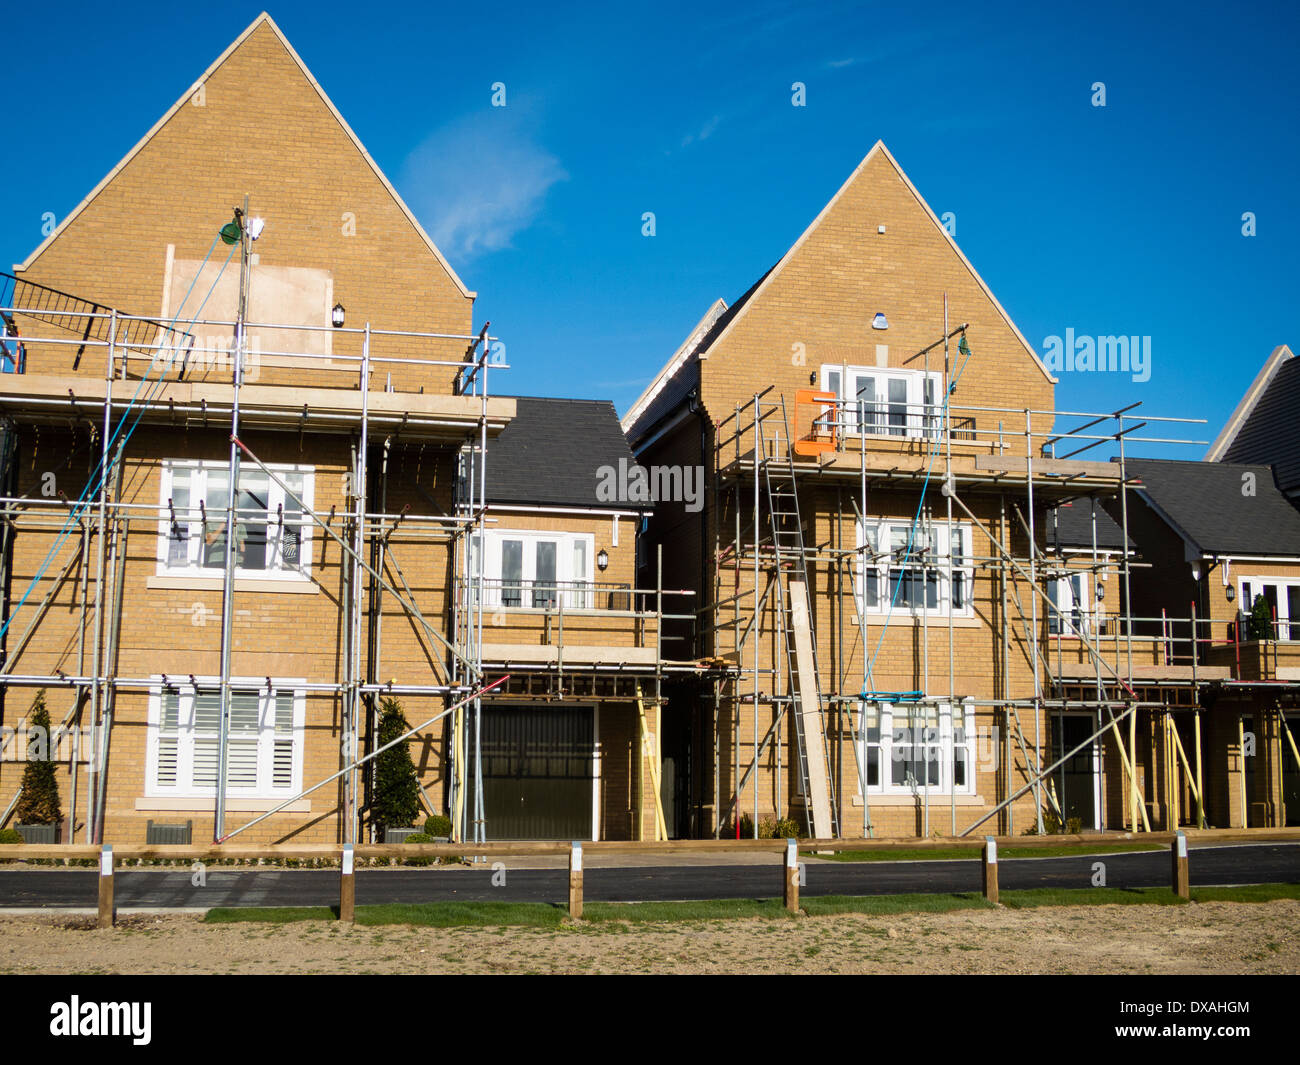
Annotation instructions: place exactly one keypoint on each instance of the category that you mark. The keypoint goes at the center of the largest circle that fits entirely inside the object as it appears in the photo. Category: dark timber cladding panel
(537, 772)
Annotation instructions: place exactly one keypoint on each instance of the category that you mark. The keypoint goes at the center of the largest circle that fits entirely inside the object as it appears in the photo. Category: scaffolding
(790, 479)
(181, 375)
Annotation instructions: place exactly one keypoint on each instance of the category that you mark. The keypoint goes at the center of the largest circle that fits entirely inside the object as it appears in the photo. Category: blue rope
(104, 467)
(911, 533)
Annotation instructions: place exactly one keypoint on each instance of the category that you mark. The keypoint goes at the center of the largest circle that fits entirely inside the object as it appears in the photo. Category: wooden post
(575, 880)
(791, 893)
(106, 886)
(347, 887)
(990, 869)
(1178, 851)
(1133, 793)
(1200, 784)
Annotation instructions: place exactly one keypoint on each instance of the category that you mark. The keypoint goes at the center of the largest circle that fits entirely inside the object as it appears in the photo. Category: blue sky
(1123, 219)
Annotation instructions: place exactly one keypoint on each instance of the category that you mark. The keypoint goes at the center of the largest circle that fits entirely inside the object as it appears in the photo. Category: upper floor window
(272, 530)
(534, 570)
(1076, 613)
(906, 568)
(876, 401)
(1283, 598)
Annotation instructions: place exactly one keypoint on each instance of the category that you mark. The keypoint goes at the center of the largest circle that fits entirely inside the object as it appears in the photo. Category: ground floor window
(903, 748)
(264, 740)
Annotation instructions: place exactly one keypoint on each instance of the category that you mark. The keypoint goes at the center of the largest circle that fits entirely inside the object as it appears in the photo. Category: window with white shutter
(264, 741)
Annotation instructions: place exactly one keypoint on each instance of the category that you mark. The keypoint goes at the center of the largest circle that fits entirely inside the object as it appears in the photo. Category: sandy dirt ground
(1215, 937)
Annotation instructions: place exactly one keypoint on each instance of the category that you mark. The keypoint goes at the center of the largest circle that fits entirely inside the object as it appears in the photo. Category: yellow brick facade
(259, 125)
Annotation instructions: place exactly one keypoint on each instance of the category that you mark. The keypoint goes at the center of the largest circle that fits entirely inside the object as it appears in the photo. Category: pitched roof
(1263, 427)
(672, 383)
(550, 452)
(1070, 526)
(681, 366)
(682, 372)
(1208, 505)
(261, 19)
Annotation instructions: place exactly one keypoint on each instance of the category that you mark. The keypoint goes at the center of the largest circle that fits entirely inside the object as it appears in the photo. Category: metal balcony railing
(555, 595)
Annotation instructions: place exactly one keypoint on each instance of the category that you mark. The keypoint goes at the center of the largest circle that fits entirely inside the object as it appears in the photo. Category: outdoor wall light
(1101, 593)
(880, 321)
(1230, 592)
(602, 560)
(1196, 571)
(336, 316)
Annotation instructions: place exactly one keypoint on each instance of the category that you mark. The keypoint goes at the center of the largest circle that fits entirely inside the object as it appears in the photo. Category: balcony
(558, 624)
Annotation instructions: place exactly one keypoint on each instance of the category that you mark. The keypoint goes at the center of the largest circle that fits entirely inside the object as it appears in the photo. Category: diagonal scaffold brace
(373, 754)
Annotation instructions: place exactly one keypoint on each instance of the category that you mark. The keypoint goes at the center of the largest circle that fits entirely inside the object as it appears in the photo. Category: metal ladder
(790, 553)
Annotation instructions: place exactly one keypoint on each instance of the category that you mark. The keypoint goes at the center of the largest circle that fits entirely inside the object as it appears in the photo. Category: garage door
(537, 772)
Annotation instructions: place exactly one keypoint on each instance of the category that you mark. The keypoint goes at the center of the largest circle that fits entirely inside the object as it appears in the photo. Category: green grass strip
(1088, 896)
(1247, 893)
(549, 915)
(887, 905)
(948, 854)
(705, 910)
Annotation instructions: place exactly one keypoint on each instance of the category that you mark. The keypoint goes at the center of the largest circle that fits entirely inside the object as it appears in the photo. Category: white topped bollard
(575, 880)
(347, 886)
(990, 868)
(1182, 884)
(791, 892)
(106, 886)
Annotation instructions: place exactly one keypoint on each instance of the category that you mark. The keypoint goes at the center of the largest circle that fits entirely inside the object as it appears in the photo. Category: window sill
(200, 805)
(937, 798)
(904, 614)
(569, 611)
(242, 584)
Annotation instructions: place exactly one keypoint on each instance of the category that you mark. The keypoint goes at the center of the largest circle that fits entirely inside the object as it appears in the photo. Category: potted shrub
(396, 802)
(38, 813)
(438, 828)
(1259, 622)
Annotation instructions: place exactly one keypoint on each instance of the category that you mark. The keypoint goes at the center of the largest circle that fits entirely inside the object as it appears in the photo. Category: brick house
(868, 417)
(359, 519)
(1217, 539)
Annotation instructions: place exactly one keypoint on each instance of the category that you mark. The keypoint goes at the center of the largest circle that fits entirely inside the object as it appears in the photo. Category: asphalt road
(168, 888)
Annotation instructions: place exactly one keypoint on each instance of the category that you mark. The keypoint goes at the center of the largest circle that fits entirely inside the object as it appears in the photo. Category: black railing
(556, 595)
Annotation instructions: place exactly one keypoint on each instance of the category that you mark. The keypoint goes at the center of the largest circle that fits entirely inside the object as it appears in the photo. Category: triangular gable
(1246, 407)
(774, 273)
(261, 19)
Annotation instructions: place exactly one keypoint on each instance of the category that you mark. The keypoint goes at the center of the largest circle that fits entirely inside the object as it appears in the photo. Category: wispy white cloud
(839, 64)
(477, 182)
(704, 132)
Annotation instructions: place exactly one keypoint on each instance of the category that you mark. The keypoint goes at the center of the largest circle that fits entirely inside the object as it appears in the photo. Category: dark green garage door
(537, 772)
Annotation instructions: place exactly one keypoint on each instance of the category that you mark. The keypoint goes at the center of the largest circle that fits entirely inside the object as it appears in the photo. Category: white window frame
(189, 523)
(923, 401)
(185, 735)
(901, 726)
(877, 532)
(567, 572)
(1081, 614)
(1286, 627)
